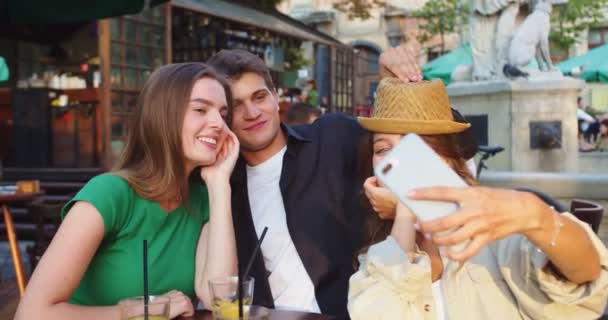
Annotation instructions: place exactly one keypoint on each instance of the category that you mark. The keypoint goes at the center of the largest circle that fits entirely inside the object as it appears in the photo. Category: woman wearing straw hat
(523, 259)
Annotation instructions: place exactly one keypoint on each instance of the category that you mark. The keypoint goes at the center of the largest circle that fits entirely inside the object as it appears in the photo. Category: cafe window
(137, 48)
(196, 37)
(342, 80)
(597, 37)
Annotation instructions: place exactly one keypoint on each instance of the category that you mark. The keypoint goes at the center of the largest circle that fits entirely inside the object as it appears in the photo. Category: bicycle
(486, 152)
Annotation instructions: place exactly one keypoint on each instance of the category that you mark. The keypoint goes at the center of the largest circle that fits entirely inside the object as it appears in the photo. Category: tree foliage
(440, 17)
(358, 9)
(574, 17)
(295, 59)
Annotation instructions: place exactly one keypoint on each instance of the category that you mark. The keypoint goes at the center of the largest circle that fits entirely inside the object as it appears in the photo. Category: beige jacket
(506, 280)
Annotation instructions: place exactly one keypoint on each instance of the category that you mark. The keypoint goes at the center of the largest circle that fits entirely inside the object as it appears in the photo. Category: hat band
(401, 126)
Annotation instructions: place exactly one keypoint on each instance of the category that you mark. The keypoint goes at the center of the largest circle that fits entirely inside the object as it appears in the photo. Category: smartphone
(414, 164)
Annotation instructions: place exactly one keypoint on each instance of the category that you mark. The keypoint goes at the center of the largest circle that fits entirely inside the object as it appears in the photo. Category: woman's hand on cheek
(382, 200)
(225, 159)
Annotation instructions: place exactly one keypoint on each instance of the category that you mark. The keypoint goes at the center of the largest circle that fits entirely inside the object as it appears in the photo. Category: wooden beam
(168, 34)
(104, 110)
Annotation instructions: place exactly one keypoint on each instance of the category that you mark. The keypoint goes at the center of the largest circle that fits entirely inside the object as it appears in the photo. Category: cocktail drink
(134, 308)
(224, 291)
(231, 312)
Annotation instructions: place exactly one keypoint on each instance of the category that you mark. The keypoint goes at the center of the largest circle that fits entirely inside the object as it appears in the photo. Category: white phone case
(414, 164)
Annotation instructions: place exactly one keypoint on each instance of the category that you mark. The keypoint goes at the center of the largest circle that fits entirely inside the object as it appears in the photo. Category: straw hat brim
(401, 126)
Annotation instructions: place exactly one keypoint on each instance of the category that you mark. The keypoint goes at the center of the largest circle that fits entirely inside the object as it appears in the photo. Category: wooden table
(5, 200)
(274, 315)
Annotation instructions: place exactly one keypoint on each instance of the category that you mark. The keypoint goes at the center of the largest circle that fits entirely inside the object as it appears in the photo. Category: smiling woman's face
(203, 131)
(383, 143)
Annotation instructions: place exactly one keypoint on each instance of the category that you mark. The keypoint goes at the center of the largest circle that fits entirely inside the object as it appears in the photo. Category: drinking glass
(225, 295)
(134, 309)
(249, 313)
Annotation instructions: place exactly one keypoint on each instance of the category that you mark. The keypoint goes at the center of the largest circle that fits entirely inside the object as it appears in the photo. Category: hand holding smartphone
(414, 164)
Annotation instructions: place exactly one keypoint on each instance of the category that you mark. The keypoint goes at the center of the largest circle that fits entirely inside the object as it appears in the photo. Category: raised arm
(489, 214)
(216, 252)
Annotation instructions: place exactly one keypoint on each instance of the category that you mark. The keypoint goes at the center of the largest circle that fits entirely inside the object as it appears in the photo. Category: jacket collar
(293, 135)
(294, 140)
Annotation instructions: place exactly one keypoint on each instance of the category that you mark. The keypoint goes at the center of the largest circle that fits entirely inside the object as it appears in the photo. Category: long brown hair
(376, 229)
(152, 160)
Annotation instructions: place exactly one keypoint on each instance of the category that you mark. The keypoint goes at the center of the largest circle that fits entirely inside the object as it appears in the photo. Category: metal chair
(588, 211)
(14, 248)
(47, 219)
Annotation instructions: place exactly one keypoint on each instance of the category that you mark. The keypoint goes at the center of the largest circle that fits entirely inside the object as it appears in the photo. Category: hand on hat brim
(400, 62)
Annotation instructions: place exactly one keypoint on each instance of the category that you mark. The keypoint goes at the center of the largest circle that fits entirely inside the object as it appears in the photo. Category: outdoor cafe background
(74, 72)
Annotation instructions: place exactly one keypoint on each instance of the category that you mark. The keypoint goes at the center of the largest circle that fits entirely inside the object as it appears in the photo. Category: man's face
(604, 130)
(255, 120)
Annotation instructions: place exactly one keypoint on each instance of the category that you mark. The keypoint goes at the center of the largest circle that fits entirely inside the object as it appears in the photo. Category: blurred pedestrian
(301, 113)
(310, 94)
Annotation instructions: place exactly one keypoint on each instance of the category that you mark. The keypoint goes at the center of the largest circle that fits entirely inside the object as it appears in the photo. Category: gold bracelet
(557, 226)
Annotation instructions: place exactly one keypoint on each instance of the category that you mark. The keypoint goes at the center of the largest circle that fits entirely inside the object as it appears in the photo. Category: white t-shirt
(289, 282)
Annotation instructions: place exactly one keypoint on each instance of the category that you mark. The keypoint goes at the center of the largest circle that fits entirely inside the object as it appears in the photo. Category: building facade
(89, 128)
(390, 25)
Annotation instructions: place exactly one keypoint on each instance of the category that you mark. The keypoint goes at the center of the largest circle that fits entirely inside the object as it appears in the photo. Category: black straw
(255, 251)
(247, 269)
(239, 291)
(146, 293)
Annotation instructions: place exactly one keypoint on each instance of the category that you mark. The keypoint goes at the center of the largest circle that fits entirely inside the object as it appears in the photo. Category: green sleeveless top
(116, 270)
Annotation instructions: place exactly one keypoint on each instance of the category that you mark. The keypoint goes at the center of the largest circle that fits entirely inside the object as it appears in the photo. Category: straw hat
(416, 107)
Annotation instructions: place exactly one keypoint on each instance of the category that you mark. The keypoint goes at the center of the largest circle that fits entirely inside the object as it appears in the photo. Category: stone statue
(492, 25)
(531, 40)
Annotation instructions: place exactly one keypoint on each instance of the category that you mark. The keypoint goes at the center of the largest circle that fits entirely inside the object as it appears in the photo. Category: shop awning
(273, 21)
(4, 74)
(442, 67)
(68, 11)
(592, 66)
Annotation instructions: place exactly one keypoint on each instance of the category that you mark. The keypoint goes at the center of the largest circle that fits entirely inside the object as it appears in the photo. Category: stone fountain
(530, 112)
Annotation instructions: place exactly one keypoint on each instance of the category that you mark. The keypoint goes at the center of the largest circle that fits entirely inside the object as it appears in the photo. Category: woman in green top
(95, 259)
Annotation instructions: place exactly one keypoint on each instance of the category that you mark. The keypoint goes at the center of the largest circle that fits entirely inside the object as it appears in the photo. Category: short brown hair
(235, 62)
(313, 83)
(152, 160)
(299, 113)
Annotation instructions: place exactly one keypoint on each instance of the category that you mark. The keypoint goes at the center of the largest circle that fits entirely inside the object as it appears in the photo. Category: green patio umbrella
(594, 65)
(4, 74)
(442, 67)
(68, 11)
